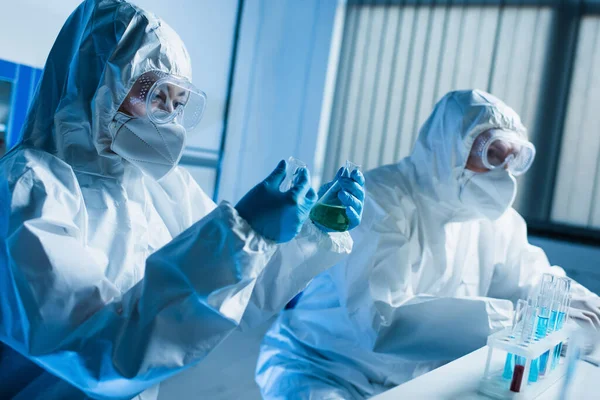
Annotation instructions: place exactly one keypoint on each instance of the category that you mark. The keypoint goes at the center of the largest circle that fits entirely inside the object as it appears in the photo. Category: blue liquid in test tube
(540, 332)
(544, 358)
(558, 348)
(542, 325)
(509, 366)
(544, 303)
(534, 370)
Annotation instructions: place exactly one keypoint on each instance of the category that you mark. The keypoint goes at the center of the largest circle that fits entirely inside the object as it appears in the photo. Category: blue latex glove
(352, 196)
(275, 215)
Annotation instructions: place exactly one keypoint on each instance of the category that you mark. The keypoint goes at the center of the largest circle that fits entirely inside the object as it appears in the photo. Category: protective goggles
(503, 149)
(165, 98)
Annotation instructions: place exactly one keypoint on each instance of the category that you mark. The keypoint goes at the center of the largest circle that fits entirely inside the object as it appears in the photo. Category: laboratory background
(330, 80)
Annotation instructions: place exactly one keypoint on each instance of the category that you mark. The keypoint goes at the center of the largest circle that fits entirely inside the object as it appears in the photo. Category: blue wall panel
(8, 70)
(20, 104)
(24, 80)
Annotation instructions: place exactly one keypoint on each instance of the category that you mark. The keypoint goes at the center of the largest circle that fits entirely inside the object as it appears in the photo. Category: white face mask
(490, 194)
(155, 149)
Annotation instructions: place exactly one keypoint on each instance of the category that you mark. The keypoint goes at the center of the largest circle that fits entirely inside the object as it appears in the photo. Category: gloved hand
(586, 311)
(352, 196)
(275, 215)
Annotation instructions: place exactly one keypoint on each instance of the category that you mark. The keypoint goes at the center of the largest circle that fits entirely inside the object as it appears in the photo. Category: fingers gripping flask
(329, 212)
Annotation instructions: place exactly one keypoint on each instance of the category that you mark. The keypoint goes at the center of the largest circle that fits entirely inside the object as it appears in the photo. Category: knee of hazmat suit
(111, 279)
(437, 264)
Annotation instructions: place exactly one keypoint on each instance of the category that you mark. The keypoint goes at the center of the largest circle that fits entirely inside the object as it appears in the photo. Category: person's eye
(495, 156)
(159, 97)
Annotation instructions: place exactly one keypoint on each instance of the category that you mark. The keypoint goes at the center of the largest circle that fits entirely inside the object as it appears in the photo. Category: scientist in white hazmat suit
(116, 269)
(438, 261)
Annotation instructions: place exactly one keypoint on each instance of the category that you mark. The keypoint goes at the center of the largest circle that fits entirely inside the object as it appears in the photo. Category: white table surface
(460, 379)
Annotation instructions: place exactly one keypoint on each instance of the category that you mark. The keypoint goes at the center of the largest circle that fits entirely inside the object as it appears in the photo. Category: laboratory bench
(460, 380)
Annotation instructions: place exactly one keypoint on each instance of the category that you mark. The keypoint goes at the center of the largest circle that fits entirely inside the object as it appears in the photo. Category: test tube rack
(494, 385)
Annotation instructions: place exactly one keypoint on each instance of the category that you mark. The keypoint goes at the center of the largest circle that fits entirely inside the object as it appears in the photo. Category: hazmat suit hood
(440, 154)
(102, 49)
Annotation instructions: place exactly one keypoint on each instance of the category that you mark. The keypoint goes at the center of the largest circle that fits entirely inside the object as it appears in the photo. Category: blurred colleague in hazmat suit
(116, 269)
(438, 262)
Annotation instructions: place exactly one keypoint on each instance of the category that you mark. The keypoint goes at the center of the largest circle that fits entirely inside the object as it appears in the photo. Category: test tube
(544, 301)
(293, 167)
(517, 326)
(530, 316)
(547, 282)
(563, 287)
(567, 282)
(515, 384)
(529, 322)
(563, 316)
(544, 304)
(558, 294)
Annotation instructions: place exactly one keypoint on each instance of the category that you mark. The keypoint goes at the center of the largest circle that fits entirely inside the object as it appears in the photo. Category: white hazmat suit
(111, 281)
(429, 278)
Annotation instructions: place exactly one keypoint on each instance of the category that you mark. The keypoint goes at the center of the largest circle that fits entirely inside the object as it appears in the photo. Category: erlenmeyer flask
(291, 173)
(329, 212)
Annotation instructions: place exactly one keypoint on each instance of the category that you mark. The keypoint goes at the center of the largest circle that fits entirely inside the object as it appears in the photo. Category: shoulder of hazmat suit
(110, 281)
(428, 279)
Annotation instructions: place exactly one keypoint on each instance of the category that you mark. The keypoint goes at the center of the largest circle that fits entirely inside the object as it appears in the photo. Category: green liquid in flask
(331, 217)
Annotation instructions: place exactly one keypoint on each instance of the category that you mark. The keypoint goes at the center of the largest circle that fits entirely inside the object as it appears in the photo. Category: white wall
(28, 29)
(278, 89)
